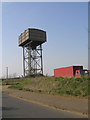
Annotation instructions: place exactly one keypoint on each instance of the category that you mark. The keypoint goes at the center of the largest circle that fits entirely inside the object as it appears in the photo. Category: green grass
(0, 83)
(63, 86)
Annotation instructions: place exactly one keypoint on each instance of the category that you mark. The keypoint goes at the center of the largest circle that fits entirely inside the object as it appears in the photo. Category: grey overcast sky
(66, 24)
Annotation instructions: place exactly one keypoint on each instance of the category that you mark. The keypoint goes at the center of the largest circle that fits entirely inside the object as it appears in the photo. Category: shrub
(19, 87)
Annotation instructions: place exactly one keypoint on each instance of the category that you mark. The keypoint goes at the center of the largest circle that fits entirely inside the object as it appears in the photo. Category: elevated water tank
(33, 36)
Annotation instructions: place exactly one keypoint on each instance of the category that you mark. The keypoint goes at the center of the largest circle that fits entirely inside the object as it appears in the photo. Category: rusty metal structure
(31, 41)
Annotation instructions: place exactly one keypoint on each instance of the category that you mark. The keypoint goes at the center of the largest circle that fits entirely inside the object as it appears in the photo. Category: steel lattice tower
(32, 60)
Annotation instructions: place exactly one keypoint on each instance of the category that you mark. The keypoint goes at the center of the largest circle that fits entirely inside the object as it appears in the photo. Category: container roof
(70, 66)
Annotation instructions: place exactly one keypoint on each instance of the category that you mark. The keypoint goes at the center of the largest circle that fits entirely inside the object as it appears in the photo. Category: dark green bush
(76, 93)
(19, 87)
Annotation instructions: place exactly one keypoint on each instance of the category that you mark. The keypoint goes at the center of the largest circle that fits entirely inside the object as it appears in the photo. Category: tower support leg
(32, 60)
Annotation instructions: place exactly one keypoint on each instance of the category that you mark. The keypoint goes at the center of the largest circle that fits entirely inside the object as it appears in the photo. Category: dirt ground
(61, 102)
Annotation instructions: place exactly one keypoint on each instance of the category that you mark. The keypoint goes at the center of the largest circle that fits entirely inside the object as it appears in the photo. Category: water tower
(31, 41)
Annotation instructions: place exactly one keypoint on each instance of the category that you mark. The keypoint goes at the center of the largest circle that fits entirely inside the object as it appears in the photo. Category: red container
(71, 71)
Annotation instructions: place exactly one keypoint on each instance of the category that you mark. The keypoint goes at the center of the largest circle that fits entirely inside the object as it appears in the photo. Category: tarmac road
(16, 108)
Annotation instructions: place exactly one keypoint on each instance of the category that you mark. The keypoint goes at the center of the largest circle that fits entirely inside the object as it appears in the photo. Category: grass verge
(51, 85)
